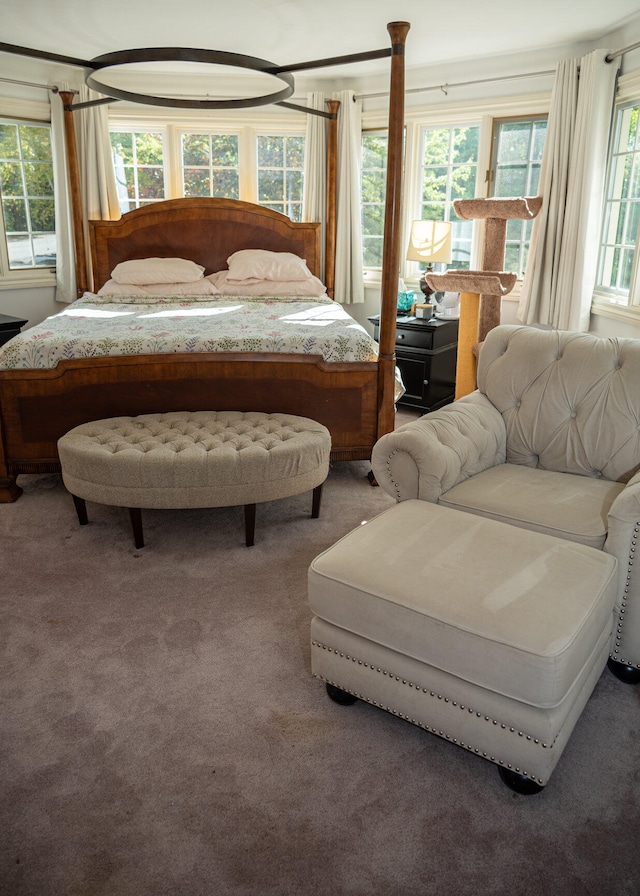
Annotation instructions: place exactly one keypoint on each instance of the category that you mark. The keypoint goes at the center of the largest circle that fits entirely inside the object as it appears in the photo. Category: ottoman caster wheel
(519, 783)
(339, 696)
(628, 674)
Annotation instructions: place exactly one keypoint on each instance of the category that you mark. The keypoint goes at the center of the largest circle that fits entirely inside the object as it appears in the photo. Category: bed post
(331, 203)
(392, 231)
(74, 188)
(9, 489)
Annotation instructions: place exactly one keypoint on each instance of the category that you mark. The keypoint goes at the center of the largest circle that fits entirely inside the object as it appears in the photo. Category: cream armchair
(550, 441)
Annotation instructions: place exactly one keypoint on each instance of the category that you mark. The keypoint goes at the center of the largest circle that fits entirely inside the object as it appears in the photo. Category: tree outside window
(26, 185)
(618, 265)
(280, 173)
(449, 172)
(515, 171)
(373, 190)
(138, 160)
(210, 165)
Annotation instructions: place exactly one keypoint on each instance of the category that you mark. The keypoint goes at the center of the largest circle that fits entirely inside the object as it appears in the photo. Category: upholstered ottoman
(488, 635)
(194, 459)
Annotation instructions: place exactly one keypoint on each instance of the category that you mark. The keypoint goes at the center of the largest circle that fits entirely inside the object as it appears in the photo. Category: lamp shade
(430, 242)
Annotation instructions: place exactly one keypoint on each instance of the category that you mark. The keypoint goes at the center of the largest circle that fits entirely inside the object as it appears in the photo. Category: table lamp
(430, 242)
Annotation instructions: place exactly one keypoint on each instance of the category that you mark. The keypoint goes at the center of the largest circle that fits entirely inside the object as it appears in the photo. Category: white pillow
(146, 271)
(261, 264)
(311, 287)
(203, 287)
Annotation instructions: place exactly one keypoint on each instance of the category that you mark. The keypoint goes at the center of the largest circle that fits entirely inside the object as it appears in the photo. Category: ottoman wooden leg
(343, 698)
(317, 497)
(628, 674)
(81, 510)
(135, 515)
(519, 783)
(249, 524)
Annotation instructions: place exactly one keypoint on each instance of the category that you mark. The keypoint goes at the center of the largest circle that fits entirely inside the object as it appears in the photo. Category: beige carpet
(161, 732)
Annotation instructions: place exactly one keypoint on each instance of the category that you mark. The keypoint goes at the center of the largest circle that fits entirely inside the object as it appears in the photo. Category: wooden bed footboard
(38, 406)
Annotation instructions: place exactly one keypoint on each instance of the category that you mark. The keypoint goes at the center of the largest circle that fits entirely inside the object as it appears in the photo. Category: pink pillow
(146, 271)
(261, 264)
(203, 287)
(310, 287)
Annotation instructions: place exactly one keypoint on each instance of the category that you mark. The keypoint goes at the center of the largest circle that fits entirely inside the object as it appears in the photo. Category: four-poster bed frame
(354, 400)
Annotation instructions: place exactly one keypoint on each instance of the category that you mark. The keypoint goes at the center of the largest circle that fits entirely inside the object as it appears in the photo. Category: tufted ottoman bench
(190, 459)
(488, 635)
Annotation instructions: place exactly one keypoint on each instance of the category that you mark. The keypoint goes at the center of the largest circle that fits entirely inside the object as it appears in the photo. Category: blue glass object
(405, 301)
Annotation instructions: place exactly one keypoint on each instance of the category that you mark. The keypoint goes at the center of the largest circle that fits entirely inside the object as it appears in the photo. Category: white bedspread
(101, 326)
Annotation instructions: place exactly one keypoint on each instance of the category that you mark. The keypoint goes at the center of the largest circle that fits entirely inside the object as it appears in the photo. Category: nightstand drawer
(409, 338)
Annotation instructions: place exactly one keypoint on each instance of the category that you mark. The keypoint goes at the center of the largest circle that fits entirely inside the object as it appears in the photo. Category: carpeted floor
(161, 732)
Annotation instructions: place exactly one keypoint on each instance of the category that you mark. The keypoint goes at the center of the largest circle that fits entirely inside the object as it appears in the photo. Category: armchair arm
(622, 541)
(427, 457)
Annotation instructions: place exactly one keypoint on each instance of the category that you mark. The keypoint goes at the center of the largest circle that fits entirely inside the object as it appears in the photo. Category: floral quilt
(97, 326)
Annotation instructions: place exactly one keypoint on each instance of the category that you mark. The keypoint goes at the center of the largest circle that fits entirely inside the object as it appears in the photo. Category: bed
(354, 399)
(51, 395)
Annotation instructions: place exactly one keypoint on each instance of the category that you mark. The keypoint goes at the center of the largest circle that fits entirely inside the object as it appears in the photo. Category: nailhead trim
(615, 655)
(393, 481)
(437, 696)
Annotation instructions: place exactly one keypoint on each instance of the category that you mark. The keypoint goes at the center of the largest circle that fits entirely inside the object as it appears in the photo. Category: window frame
(372, 271)
(210, 132)
(28, 111)
(273, 132)
(448, 201)
(175, 123)
(449, 114)
(605, 303)
(525, 225)
(135, 202)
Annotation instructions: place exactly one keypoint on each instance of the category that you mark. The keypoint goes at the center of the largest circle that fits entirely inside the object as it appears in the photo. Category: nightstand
(10, 327)
(426, 354)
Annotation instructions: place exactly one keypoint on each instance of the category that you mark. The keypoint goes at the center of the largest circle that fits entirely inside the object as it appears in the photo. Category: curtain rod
(443, 87)
(621, 52)
(51, 87)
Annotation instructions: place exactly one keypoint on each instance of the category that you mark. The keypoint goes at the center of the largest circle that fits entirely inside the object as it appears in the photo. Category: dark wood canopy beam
(331, 60)
(44, 54)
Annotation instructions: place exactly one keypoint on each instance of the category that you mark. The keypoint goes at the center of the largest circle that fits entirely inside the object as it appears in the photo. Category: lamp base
(424, 286)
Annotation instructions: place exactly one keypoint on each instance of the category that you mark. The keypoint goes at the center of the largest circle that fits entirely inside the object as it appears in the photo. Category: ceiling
(290, 31)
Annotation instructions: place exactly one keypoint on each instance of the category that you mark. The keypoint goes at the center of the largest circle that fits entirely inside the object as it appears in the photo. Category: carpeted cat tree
(481, 292)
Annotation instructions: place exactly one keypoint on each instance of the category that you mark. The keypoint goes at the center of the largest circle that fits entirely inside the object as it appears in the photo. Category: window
(26, 185)
(168, 162)
(280, 173)
(618, 273)
(373, 181)
(210, 165)
(138, 160)
(449, 171)
(515, 171)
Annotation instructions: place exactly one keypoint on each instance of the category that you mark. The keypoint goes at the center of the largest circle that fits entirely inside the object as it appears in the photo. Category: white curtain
(314, 193)
(97, 177)
(65, 250)
(561, 267)
(349, 283)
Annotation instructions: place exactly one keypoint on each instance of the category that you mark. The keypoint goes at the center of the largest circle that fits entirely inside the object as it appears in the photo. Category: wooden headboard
(204, 230)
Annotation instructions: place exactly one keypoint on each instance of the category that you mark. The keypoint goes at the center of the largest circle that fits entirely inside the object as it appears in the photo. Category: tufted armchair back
(570, 401)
